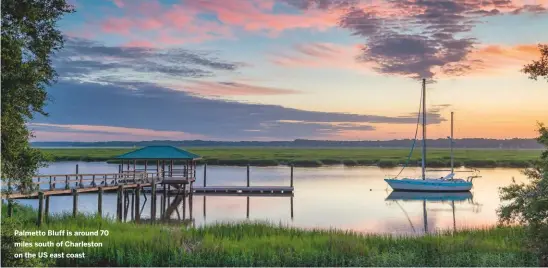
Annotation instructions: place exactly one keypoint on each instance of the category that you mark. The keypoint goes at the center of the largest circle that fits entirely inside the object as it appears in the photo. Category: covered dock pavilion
(168, 165)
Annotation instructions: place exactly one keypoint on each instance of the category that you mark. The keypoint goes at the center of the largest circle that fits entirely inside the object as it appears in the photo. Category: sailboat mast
(423, 129)
(452, 163)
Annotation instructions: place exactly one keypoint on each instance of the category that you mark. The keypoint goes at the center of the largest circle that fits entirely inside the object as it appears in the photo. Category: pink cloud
(119, 3)
(139, 43)
(206, 88)
(323, 55)
(101, 133)
(499, 59)
(117, 26)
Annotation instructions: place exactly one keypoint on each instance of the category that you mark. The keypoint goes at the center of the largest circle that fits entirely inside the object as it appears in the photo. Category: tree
(540, 67)
(29, 39)
(528, 203)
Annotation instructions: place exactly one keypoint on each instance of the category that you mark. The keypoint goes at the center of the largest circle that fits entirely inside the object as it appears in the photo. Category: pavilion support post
(119, 200)
(46, 208)
(119, 168)
(137, 202)
(40, 209)
(100, 202)
(146, 176)
(157, 168)
(163, 168)
(134, 170)
(74, 202)
(171, 168)
(247, 175)
(190, 205)
(205, 174)
(291, 181)
(153, 201)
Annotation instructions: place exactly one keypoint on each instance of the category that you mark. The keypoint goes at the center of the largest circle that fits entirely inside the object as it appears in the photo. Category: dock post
(291, 181)
(205, 174)
(153, 201)
(204, 207)
(137, 202)
(74, 202)
(291, 207)
(247, 211)
(10, 207)
(40, 208)
(119, 200)
(247, 175)
(100, 202)
(47, 208)
(67, 182)
(76, 168)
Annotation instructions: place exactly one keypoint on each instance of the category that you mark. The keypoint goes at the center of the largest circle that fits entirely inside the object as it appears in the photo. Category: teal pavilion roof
(159, 152)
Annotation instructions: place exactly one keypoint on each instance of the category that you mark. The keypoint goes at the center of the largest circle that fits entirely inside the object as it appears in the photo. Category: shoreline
(262, 244)
(318, 157)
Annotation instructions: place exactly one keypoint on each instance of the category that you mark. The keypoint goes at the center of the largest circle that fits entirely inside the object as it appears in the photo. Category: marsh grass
(258, 156)
(266, 244)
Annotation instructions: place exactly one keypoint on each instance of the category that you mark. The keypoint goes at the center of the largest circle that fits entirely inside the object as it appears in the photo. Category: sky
(295, 69)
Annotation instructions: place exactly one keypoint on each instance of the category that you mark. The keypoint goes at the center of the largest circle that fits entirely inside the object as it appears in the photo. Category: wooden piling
(76, 168)
(119, 200)
(10, 207)
(247, 210)
(291, 207)
(153, 201)
(291, 181)
(205, 174)
(74, 202)
(40, 209)
(100, 202)
(137, 202)
(47, 208)
(204, 207)
(247, 175)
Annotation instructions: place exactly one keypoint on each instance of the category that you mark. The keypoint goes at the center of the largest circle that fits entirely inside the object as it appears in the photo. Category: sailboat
(443, 184)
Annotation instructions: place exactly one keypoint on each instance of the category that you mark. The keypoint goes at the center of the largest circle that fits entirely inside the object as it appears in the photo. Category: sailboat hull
(429, 185)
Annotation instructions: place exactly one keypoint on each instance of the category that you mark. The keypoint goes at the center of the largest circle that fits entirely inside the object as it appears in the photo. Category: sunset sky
(288, 69)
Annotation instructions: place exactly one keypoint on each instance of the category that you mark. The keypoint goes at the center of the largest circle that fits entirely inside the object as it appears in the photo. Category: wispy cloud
(58, 132)
(172, 112)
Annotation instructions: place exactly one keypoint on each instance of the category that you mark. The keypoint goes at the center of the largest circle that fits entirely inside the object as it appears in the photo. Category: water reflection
(349, 198)
(432, 197)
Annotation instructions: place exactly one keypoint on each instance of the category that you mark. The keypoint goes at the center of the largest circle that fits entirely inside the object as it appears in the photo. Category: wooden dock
(133, 182)
(245, 189)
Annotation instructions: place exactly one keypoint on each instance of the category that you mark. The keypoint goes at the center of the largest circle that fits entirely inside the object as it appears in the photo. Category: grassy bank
(319, 157)
(258, 244)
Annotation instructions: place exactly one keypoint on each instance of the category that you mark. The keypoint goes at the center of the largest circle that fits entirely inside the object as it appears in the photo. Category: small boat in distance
(444, 184)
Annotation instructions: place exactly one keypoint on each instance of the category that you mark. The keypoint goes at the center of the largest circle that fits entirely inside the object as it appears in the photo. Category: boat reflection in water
(432, 197)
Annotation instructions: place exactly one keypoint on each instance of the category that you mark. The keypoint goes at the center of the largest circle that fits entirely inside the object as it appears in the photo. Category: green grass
(262, 244)
(316, 157)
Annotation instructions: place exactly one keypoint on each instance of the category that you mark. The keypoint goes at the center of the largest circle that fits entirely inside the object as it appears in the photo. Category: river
(348, 198)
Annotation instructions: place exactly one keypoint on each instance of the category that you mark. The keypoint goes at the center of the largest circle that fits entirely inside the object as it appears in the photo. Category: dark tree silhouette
(538, 67)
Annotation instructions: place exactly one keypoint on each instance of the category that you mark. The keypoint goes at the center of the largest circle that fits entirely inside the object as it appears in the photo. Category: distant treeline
(438, 143)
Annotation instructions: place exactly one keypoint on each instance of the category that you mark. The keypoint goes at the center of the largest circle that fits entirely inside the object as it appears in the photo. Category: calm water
(351, 198)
